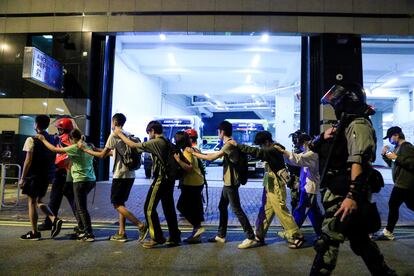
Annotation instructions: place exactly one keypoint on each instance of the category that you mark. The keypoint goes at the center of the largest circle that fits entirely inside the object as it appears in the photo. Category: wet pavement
(103, 257)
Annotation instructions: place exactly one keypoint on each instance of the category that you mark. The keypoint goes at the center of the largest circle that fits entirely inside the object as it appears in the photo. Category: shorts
(121, 187)
(36, 186)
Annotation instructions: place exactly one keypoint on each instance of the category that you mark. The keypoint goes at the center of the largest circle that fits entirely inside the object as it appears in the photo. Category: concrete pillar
(284, 118)
(327, 59)
(377, 123)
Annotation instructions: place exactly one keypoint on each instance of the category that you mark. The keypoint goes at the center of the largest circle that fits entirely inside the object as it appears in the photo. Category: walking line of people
(337, 164)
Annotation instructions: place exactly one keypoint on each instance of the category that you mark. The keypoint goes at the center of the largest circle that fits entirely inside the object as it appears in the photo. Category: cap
(192, 132)
(392, 130)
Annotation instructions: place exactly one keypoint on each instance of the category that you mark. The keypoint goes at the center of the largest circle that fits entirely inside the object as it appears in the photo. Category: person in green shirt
(84, 180)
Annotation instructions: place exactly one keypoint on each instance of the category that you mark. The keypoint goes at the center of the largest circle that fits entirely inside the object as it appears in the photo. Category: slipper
(296, 243)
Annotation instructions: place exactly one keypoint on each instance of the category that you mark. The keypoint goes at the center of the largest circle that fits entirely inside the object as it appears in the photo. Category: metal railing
(4, 177)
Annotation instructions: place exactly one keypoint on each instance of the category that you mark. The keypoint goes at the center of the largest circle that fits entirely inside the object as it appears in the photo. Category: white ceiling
(222, 67)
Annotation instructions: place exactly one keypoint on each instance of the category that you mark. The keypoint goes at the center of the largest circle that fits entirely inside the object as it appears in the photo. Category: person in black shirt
(37, 169)
(401, 160)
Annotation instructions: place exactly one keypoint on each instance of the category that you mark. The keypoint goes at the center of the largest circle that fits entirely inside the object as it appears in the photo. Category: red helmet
(192, 133)
(64, 123)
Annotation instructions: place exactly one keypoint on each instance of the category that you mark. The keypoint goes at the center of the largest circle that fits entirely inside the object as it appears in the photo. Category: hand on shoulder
(232, 142)
(40, 137)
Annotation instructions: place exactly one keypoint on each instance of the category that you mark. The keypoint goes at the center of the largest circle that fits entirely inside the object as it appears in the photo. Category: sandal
(296, 243)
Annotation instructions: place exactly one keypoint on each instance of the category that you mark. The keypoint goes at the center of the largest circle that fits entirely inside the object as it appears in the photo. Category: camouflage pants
(334, 233)
(294, 194)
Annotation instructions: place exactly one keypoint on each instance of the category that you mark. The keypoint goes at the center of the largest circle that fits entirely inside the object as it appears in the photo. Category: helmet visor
(327, 98)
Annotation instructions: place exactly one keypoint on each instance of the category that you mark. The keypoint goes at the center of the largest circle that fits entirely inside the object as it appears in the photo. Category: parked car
(255, 166)
(210, 148)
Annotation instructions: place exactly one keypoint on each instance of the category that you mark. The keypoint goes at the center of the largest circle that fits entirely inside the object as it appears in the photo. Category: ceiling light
(44, 103)
(256, 60)
(248, 78)
(2, 94)
(253, 96)
(207, 95)
(4, 47)
(171, 58)
(60, 109)
(391, 81)
(163, 37)
(48, 36)
(264, 38)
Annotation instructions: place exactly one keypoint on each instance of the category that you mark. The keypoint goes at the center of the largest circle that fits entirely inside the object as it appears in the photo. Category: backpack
(238, 161)
(375, 180)
(130, 157)
(283, 176)
(172, 170)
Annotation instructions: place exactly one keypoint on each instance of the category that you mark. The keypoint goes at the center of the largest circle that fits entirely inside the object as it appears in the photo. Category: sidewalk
(102, 211)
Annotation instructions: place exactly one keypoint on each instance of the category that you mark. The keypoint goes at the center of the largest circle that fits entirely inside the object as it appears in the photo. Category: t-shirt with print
(230, 151)
(82, 164)
(119, 170)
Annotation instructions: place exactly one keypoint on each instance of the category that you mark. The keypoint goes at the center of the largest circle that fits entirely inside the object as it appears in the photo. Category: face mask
(393, 142)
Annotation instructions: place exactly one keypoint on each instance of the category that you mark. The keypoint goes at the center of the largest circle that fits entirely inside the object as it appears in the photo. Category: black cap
(392, 130)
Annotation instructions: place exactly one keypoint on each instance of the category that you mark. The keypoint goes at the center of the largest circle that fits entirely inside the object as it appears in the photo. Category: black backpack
(238, 161)
(172, 170)
(131, 157)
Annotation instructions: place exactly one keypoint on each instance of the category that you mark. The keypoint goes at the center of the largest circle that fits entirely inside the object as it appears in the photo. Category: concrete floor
(63, 256)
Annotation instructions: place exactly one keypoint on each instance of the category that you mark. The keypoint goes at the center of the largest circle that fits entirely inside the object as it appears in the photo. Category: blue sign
(42, 69)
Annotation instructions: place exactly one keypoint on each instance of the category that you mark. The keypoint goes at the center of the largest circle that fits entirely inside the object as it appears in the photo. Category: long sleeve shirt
(403, 166)
(274, 163)
(309, 173)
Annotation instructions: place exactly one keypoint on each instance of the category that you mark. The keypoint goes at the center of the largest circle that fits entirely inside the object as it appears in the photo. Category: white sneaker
(247, 244)
(198, 232)
(217, 239)
(385, 235)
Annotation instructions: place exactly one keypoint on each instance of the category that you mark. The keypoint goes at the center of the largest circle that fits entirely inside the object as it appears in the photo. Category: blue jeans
(308, 206)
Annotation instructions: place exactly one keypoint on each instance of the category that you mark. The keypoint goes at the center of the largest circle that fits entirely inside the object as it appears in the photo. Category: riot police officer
(346, 200)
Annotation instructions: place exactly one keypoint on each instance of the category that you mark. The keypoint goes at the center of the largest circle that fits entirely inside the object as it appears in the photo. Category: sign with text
(42, 69)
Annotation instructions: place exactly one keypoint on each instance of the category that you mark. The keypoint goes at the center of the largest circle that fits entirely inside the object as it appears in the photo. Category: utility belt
(337, 181)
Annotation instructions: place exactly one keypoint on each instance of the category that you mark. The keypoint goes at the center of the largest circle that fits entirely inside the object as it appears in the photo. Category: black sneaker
(30, 236)
(56, 226)
(45, 227)
(173, 242)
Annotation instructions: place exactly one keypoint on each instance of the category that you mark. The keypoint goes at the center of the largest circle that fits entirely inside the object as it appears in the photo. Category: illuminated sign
(175, 122)
(42, 69)
(247, 126)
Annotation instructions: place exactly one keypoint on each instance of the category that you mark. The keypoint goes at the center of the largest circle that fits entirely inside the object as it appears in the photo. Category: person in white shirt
(309, 183)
